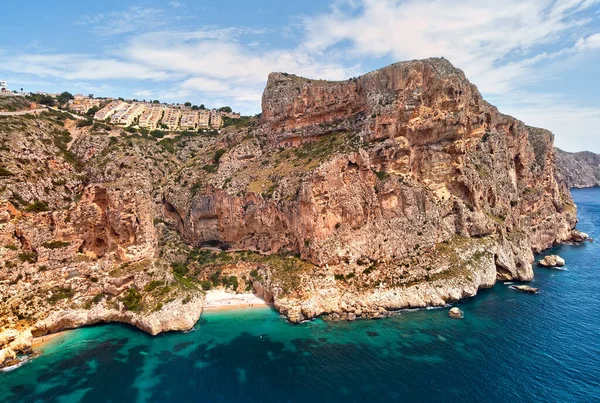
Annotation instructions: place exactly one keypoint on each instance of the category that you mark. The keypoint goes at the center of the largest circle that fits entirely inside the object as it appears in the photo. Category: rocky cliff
(578, 170)
(402, 188)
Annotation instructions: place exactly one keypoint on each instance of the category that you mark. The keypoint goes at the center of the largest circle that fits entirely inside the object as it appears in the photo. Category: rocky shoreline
(179, 317)
(399, 189)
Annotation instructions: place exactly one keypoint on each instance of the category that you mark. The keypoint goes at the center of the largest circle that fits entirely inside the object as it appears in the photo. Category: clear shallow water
(509, 347)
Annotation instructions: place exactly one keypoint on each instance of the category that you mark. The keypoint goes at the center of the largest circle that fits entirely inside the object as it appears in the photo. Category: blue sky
(538, 60)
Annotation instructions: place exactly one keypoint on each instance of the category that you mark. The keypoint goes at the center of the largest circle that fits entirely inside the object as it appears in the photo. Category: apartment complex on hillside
(151, 117)
(154, 116)
(82, 104)
(189, 120)
(109, 110)
(203, 119)
(171, 118)
(216, 121)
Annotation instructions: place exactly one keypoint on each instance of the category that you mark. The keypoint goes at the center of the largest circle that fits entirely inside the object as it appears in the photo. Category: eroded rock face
(578, 236)
(414, 157)
(79, 243)
(578, 170)
(174, 316)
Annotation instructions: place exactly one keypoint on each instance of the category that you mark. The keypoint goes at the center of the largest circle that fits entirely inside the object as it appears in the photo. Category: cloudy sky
(538, 60)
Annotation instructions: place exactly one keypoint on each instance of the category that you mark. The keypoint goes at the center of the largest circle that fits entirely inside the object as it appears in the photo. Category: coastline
(220, 300)
(216, 300)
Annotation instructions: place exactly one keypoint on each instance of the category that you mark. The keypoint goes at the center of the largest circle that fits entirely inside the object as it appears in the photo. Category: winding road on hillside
(17, 113)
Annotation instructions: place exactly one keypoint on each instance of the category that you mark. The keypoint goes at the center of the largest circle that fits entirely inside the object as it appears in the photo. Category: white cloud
(143, 93)
(480, 37)
(216, 64)
(575, 127)
(133, 19)
(81, 67)
(591, 42)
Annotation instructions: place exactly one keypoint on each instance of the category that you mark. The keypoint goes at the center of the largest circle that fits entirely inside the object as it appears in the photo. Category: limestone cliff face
(405, 167)
(578, 170)
(401, 188)
(414, 157)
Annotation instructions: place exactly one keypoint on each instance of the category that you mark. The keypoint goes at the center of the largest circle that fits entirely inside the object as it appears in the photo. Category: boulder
(456, 313)
(526, 289)
(552, 261)
(578, 236)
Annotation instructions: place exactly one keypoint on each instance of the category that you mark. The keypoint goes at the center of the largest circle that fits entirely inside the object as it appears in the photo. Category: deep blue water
(510, 347)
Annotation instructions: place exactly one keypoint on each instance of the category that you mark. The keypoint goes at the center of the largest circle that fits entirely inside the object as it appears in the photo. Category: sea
(510, 347)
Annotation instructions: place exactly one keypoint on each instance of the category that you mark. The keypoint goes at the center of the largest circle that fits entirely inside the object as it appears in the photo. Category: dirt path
(17, 113)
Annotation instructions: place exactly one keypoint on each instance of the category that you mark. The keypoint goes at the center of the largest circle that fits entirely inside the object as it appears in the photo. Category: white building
(3, 86)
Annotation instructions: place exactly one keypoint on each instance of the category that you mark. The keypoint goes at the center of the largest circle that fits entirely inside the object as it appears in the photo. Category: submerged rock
(456, 313)
(525, 289)
(552, 261)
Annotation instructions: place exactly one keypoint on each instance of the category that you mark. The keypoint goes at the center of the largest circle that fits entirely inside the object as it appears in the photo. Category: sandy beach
(221, 300)
(41, 340)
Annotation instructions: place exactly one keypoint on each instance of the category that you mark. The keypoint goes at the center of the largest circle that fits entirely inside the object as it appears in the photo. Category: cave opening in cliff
(215, 243)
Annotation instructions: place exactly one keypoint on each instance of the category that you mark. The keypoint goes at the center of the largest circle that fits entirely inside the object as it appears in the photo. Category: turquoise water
(510, 347)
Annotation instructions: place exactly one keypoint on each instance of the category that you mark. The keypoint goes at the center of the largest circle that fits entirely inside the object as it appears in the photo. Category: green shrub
(92, 111)
(11, 247)
(132, 300)
(56, 244)
(381, 174)
(60, 293)
(231, 282)
(339, 277)
(196, 187)
(85, 123)
(5, 172)
(215, 278)
(180, 269)
(206, 285)
(28, 257)
(37, 207)
(210, 168)
(167, 144)
(203, 256)
(152, 285)
(218, 154)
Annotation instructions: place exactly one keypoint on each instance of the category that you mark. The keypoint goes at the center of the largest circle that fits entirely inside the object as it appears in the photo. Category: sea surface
(511, 347)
